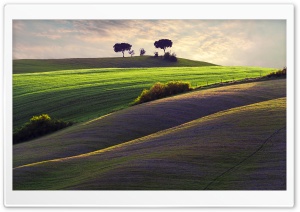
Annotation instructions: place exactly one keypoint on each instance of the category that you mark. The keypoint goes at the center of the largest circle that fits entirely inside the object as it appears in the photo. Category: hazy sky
(224, 42)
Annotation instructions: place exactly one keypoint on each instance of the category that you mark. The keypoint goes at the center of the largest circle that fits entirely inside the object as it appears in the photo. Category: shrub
(144, 97)
(173, 58)
(155, 54)
(37, 127)
(131, 52)
(279, 73)
(175, 87)
(160, 90)
(157, 91)
(170, 57)
(44, 118)
(142, 51)
(167, 56)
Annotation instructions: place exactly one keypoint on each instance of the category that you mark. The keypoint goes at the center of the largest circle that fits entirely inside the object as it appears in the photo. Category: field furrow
(145, 119)
(80, 95)
(186, 157)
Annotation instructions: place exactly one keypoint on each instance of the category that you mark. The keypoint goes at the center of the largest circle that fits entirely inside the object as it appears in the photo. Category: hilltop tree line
(161, 44)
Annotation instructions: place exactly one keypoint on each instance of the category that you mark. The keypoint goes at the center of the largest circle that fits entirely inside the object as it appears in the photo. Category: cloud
(53, 52)
(18, 26)
(52, 36)
(225, 42)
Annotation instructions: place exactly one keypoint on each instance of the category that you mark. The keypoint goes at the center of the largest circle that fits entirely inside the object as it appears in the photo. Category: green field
(237, 149)
(142, 120)
(32, 65)
(82, 94)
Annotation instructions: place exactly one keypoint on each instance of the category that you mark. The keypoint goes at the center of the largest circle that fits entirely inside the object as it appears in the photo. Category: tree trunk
(123, 54)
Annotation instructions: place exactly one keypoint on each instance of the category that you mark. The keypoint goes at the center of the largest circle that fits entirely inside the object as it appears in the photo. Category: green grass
(42, 65)
(226, 150)
(144, 119)
(80, 95)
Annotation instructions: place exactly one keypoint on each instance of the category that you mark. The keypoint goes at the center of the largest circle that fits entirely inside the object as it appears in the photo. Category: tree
(122, 47)
(163, 44)
(142, 51)
(131, 52)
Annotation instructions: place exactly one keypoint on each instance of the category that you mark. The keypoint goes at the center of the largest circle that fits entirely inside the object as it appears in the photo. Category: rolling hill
(242, 148)
(145, 119)
(46, 65)
(218, 138)
(81, 95)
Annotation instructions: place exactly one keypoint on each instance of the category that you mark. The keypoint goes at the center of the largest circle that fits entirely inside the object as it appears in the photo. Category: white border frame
(147, 198)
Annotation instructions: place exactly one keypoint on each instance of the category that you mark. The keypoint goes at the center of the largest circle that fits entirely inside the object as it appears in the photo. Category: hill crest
(42, 65)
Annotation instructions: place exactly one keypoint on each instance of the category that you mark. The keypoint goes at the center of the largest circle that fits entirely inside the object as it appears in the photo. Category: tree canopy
(122, 47)
(163, 44)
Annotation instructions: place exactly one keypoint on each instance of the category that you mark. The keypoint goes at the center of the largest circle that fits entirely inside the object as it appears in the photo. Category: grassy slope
(142, 120)
(225, 150)
(80, 95)
(45, 65)
(267, 166)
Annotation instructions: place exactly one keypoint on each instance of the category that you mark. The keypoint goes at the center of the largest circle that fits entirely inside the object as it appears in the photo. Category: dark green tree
(122, 47)
(163, 44)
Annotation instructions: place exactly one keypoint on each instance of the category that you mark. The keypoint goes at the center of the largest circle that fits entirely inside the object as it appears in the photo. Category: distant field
(80, 95)
(145, 119)
(243, 148)
(33, 65)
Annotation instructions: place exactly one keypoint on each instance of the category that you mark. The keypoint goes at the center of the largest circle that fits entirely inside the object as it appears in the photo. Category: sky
(223, 42)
